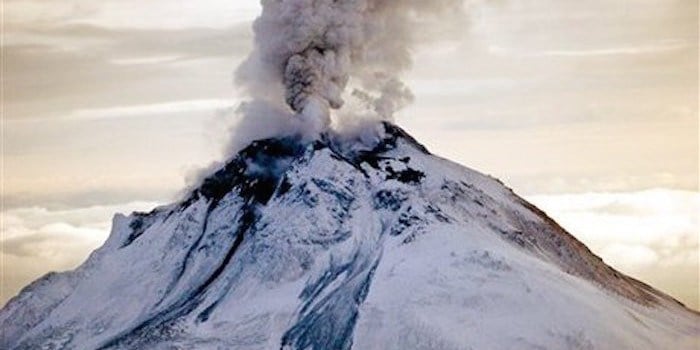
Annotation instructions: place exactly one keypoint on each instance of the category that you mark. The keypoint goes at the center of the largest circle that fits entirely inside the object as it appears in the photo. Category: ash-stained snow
(336, 244)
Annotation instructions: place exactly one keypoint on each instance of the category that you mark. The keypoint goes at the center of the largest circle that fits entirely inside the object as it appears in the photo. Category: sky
(589, 109)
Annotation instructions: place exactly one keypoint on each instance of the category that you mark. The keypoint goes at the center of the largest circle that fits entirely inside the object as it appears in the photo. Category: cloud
(83, 66)
(70, 199)
(57, 241)
(35, 240)
(119, 14)
(127, 61)
(656, 217)
(201, 105)
(21, 222)
(635, 255)
(651, 235)
(650, 48)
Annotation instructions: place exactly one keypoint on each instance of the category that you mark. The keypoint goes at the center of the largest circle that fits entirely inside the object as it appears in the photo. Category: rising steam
(312, 57)
(316, 62)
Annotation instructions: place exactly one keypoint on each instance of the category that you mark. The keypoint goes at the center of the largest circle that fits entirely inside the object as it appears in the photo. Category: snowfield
(337, 244)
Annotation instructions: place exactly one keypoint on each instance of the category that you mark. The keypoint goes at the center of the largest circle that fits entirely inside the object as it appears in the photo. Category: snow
(335, 244)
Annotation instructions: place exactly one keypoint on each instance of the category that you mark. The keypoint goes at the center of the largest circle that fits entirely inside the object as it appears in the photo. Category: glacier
(334, 243)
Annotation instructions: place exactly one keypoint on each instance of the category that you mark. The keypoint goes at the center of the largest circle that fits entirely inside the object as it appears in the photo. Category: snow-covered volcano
(329, 244)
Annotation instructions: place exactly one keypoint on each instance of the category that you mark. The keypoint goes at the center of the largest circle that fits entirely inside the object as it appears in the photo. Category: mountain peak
(338, 243)
(256, 170)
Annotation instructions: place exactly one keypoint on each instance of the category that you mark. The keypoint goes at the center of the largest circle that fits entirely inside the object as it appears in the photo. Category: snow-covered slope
(329, 244)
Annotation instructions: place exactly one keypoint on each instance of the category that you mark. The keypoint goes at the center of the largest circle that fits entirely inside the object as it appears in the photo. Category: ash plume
(312, 57)
(318, 64)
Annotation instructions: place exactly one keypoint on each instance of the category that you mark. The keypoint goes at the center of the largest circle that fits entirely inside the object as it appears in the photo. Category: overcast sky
(587, 108)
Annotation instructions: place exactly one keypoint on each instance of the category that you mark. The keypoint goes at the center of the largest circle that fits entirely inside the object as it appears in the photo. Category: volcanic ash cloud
(315, 56)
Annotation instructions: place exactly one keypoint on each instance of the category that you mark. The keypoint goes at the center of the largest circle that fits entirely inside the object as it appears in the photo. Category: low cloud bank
(651, 235)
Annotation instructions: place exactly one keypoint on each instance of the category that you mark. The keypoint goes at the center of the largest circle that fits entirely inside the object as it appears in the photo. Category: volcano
(338, 243)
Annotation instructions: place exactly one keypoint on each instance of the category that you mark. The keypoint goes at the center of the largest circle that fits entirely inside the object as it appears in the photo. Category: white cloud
(34, 241)
(200, 105)
(120, 14)
(654, 217)
(87, 221)
(650, 48)
(651, 235)
(634, 255)
(129, 61)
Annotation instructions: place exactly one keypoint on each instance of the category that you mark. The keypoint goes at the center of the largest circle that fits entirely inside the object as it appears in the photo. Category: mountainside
(333, 244)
